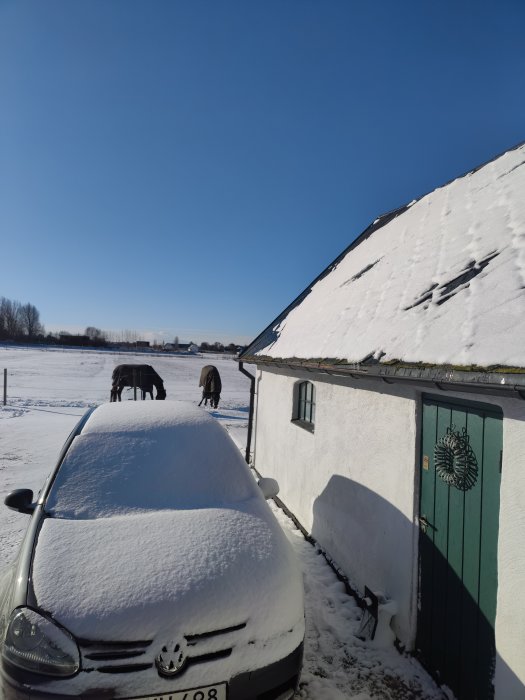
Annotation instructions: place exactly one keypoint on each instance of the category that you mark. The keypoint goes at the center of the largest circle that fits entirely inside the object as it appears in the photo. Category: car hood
(161, 573)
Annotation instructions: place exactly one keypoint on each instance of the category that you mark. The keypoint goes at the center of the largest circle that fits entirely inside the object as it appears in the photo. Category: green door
(460, 469)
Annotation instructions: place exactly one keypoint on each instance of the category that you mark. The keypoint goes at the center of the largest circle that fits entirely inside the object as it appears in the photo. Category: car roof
(131, 417)
(137, 456)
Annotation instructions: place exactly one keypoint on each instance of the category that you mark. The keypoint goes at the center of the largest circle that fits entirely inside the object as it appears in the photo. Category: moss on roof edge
(335, 363)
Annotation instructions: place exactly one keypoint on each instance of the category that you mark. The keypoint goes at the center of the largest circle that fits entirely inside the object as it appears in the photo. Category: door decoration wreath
(455, 460)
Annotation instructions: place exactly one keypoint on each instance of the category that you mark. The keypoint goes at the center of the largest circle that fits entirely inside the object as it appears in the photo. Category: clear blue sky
(187, 167)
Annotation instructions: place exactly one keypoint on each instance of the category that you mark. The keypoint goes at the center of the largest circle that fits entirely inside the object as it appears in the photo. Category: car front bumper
(278, 681)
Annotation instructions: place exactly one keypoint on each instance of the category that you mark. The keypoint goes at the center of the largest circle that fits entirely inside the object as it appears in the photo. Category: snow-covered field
(48, 390)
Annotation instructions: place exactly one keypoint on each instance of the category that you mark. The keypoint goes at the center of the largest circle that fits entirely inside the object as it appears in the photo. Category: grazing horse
(210, 382)
(143, 377)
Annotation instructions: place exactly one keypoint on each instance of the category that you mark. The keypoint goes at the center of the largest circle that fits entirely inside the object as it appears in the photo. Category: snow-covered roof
(439, 282)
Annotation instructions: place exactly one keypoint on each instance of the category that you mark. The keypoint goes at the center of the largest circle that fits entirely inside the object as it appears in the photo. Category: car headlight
(35, 643)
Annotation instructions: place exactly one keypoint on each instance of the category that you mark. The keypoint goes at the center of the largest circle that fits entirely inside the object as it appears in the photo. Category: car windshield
(105, 474)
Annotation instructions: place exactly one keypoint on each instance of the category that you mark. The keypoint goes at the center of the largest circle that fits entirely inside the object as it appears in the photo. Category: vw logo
(172, 658)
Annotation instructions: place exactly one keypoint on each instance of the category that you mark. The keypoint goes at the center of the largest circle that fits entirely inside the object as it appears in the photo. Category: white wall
(365, 452)
(343, 462)
(510, 615)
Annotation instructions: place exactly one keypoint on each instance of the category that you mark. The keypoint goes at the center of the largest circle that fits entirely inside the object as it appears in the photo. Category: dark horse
(143, 377)
(210, 382)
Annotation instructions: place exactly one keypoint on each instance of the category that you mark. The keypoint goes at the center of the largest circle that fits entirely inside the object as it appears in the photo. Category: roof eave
(496, 381)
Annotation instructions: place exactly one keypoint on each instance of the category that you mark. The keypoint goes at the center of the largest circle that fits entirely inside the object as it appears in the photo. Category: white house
(389, 403)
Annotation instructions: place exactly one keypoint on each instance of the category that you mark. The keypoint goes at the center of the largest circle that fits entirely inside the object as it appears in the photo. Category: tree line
(96, 336)
(19, 321)
(218, 347)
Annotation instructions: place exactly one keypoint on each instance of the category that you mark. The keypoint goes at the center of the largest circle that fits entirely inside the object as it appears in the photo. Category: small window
(304, 409)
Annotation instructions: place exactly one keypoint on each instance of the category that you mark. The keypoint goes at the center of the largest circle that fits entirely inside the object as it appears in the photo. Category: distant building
(181, 347)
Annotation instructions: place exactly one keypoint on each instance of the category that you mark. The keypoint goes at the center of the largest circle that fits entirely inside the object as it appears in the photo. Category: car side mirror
(20, 500)
(269, 487)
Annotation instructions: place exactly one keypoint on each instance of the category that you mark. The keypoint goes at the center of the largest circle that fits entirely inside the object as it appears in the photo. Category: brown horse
(210, 381)
(142, 377)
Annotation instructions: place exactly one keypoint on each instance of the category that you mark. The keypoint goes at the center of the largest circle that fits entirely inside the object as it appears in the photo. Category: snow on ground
(48, 391)
(338, 665)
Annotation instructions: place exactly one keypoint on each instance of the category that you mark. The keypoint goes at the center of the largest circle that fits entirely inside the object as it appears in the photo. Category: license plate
(210, 692)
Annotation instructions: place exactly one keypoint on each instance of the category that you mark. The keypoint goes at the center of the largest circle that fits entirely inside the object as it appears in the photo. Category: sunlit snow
(47, 393)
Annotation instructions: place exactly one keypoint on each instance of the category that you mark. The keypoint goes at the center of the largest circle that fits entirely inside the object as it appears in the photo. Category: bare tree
(93, 333)
(130, 336)
(30, 320)
(3, 330)
(96, 336)
(11, 318)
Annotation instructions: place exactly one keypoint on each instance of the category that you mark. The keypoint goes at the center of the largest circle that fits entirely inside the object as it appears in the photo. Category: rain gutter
(251, 377)
(504, 383)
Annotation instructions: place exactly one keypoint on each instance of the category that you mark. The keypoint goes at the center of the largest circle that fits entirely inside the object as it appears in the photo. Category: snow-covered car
(152, 567)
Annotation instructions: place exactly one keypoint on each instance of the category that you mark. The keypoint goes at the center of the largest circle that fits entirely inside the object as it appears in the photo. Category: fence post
(134, 385)
(5, 385)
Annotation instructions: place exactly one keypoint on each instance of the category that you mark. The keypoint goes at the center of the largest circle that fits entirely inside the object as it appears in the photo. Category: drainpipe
(250, 416)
